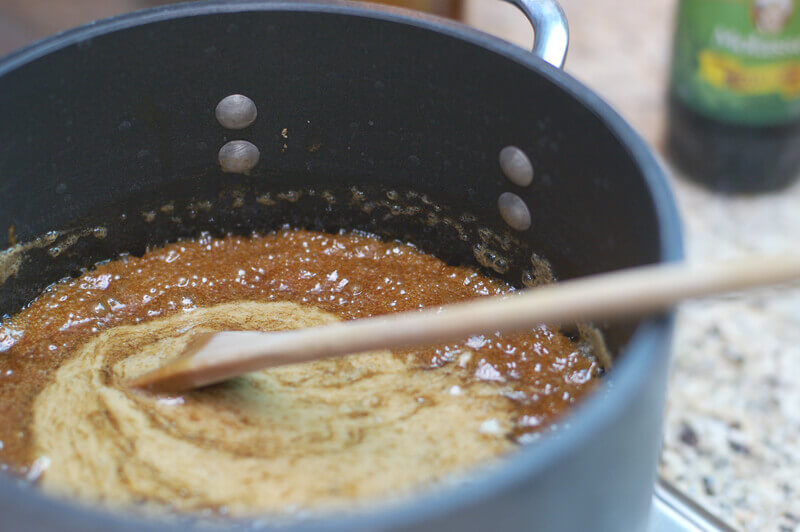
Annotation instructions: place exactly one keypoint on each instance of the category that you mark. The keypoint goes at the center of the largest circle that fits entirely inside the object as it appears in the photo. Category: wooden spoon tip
(175, 375)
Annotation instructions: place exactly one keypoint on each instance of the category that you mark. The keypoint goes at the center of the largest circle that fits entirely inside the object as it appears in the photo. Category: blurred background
(733, 422)
(23, 21)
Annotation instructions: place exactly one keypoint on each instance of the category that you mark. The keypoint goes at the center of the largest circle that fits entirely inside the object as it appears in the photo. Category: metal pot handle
(550, 29)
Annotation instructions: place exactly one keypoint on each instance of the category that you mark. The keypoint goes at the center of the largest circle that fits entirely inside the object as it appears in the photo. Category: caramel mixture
(333, 432)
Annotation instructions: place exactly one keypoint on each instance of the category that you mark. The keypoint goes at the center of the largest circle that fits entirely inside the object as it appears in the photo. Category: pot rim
(637, 359)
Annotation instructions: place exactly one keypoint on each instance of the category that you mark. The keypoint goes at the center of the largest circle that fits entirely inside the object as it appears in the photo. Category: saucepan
(367, 118)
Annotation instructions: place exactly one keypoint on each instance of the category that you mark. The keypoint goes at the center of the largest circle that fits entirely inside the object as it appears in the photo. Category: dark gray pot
(117, 116)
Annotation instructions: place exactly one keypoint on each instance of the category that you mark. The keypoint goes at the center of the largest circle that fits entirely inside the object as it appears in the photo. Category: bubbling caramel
(330, 433)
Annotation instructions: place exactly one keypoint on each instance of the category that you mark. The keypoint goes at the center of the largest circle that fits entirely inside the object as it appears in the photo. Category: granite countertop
(732, 439)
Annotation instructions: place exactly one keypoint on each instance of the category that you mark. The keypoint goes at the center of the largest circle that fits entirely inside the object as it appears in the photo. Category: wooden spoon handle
(633, 292)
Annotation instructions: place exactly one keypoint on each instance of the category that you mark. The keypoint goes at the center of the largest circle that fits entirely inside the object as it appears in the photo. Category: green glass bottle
(734, 121)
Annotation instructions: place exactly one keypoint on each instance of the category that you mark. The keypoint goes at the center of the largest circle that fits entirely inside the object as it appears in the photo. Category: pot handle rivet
(514, 211)
(550, 29)
(236, 111)
(516, 166)
(238, 157)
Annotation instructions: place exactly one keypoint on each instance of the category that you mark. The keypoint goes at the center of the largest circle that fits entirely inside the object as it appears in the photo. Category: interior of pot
(395, 131)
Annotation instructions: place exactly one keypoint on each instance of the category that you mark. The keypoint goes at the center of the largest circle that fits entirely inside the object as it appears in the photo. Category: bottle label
(738, 61)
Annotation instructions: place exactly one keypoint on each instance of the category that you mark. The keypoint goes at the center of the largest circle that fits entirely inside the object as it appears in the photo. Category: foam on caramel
(318, 434)
(331, 433)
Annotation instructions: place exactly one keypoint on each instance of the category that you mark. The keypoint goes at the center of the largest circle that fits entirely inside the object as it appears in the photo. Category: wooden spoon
(213, 357)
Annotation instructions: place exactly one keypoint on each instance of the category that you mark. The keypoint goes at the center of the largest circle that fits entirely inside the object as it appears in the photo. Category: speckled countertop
(732, 439)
